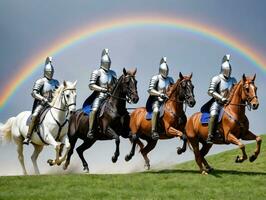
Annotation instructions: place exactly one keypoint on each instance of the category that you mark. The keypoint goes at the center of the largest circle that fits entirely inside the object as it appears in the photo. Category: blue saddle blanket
(149, 108)
(205, 112)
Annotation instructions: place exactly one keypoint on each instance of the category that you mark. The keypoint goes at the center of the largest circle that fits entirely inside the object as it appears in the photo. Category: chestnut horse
(172, 124)
(234, 124)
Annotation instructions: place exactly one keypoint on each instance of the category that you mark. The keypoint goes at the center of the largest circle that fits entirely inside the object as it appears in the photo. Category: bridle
(66, 104)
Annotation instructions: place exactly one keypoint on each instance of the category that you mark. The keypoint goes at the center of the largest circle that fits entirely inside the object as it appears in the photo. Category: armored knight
(43, 94)
(157, 91)
(102, 81)
(219, 90)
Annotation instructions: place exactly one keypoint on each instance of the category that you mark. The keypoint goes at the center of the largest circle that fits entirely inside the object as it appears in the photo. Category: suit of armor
(42, 92)
(101, 81)
(219, 89)
(157, 89)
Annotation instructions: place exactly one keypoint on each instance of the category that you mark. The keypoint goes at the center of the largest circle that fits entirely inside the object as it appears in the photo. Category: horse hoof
(179, 150)
(210, 169)
(114, 159)
(204, 172)
(252, 158)
(50, 162)
(127, 158)
(147, 167)
(64, 167)
(86, 169)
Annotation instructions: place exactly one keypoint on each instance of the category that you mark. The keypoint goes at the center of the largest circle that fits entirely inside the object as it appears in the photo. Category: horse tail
(5, 130)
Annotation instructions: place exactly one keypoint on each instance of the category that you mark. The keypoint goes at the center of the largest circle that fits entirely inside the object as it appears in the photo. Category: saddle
(205, 113)
(149, 110)
(40, 117)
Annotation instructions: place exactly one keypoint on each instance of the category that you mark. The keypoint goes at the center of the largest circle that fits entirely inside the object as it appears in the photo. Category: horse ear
(254, 77)
(244, 78)
(181, 76)
(124, 71)
(65, 84)
(190, 77)
(135, 71)
(75, 83)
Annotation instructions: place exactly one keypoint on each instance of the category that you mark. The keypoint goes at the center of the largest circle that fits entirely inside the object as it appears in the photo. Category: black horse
(112, 121)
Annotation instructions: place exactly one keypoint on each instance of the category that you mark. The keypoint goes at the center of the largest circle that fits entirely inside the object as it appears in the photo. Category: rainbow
(91, 30)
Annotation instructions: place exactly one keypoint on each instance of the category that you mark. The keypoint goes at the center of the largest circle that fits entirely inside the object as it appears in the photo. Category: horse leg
(232, 139)
(34, 156)
(67, 145)
(134, 140)
(51, 140)
(117, 143)
(84, 146)
(72, 141)
(20, 154)
(251, 136)
(203, 152)
(195, 145)
(150, 146)
(176, 133)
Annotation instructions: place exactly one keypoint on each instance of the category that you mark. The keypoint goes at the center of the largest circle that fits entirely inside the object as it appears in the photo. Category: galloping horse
(113, 122)
(172, 124)
(234, 124)
(52, 128)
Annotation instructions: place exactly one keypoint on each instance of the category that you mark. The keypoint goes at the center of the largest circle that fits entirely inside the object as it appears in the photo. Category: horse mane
(233, 91)
(57, 94)
(172, 88)
(116, 85)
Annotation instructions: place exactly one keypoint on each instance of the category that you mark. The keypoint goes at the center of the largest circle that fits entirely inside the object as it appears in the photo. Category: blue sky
(29, 27)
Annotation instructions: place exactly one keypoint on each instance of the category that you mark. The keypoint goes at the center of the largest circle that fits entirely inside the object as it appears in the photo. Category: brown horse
(171, 125)
(234, 124)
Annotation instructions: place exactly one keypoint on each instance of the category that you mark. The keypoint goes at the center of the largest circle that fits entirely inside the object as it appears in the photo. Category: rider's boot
(211, 129)
(154, 135)
(90, 134)
(27, 140)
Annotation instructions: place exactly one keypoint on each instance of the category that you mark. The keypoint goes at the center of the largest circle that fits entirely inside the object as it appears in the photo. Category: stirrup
(209, 139)
(90, 135)
(26, 141)
(155, 135)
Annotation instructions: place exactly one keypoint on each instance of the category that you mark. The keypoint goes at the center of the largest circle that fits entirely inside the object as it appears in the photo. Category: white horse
(52, 130)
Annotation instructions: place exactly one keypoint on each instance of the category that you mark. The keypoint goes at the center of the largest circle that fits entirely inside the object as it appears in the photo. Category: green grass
(228, 181)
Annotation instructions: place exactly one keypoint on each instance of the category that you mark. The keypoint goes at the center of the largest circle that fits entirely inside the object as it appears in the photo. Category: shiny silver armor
(220, 86)
(42, 92)
(157, 88)
(48, 68)
(105, 60)
(101, 81)
(163, 69)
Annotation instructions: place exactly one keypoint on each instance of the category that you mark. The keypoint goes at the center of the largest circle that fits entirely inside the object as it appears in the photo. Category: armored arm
(93, 82)
(36, 91)
(153, 82)
(213, 89)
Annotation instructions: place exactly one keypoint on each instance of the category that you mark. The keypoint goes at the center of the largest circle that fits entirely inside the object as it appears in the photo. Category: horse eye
(67, 96)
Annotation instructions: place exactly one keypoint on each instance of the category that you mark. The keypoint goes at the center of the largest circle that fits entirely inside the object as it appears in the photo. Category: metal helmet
(226, 68)
(163, 69)
(105, 60)
(48, 68)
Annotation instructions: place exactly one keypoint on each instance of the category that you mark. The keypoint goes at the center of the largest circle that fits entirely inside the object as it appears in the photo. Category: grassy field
(228, 181)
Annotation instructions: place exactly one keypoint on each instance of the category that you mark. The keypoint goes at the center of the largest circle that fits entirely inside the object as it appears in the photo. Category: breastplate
(104, 79)
(48, 87)
(163, 84)
(225, 86)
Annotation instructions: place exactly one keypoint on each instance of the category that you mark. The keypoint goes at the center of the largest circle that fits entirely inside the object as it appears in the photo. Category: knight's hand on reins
(164, 96)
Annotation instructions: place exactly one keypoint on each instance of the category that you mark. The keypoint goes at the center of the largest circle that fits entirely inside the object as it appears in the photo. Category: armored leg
(34, 121)
(211, 129)
(154, 120)
(90, 134)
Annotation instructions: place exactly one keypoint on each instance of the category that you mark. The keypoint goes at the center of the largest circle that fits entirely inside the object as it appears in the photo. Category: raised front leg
(176, 133)
(251, 136)
(232, 139)
(134, 140)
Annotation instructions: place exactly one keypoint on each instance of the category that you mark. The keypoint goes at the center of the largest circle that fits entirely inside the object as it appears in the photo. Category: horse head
(69, 96)
(129, 87)
(249, 91)
(186, 90)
